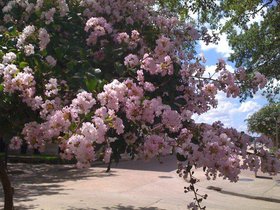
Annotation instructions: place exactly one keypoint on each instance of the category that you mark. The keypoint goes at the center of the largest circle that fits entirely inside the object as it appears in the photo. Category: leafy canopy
(265, 120)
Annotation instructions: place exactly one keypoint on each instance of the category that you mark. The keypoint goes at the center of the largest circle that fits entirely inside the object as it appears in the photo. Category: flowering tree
(103, 78)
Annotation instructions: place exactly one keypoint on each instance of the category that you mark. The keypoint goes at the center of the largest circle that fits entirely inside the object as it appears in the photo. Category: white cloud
(242, 127)
(210, 71)
(221, 113)
(230, 112)
(222, 47)
(257, 18)
(249, 106)
(230, 68)
(193, 15)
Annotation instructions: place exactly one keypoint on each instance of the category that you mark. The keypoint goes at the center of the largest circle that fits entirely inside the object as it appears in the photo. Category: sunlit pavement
(135, 185)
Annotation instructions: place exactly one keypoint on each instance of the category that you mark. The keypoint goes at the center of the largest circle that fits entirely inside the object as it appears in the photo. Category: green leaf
(59, 53)
(119, 68)
(23, 64)
(91, 84)
(71, 65)
(44, 53)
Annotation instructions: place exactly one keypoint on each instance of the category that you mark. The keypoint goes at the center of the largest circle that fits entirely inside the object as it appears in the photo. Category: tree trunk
(109, 165)
(2, 145)
(7, 188)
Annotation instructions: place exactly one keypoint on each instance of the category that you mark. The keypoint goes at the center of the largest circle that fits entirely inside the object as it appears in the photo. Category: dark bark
(109, 165)
(36, 152)
(2, 145)
(6, 157)
(23, 148)
(7, 188)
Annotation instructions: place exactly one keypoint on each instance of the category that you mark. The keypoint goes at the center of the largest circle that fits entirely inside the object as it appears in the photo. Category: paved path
(133, 185)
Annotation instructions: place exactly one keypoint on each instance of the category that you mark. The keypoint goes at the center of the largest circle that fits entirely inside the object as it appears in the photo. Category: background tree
(266, 121)
(256, 47)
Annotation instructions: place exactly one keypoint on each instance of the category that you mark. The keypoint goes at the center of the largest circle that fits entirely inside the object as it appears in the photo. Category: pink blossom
(27, 31)
(155, 145)
(118, 125)
(34, 135)
(99, 55)
(166, 67)
(172, 120)
(83, 102)
(49, 106)
(135, 35)
(15, 143)
(148, 86)
(133, 108)
(29, 49)
(51, 87)
(210, 89)
(149, 64)
(107, 155)
(89, 131)
(44, 38)
(63, 7)
(163, 45)
(131, 60)
(48, 15)
(122, 38)
(102, 128)
(259, 79)
(113, 95)
(51, 61)
(8, 57)
(82, 149)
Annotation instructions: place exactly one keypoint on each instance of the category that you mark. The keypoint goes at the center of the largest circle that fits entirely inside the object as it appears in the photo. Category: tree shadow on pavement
(25, 207)
(123, 207)
(119, 207)
(33, 180)
(165, 164)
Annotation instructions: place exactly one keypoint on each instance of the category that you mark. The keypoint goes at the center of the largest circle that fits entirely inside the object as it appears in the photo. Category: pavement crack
(269, 189)
(157, 201)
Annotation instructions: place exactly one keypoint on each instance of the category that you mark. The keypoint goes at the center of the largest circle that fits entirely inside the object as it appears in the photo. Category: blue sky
(229, 111)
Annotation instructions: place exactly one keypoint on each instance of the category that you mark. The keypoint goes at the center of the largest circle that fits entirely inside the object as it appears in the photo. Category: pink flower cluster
(155, 145)
(82, 149)
(27, 31)
(22, 83)
(44, 38)
(113, 95)
(259, 80)
(15, 143)
(160, 63)
(48, 16)
(99, 27)
(84, 102)
(131, 60)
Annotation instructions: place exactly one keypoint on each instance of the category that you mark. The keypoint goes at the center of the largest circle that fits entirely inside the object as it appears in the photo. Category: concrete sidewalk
(134, 185)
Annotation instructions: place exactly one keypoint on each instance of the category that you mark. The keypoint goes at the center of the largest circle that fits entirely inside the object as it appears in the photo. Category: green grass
(32, 158)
